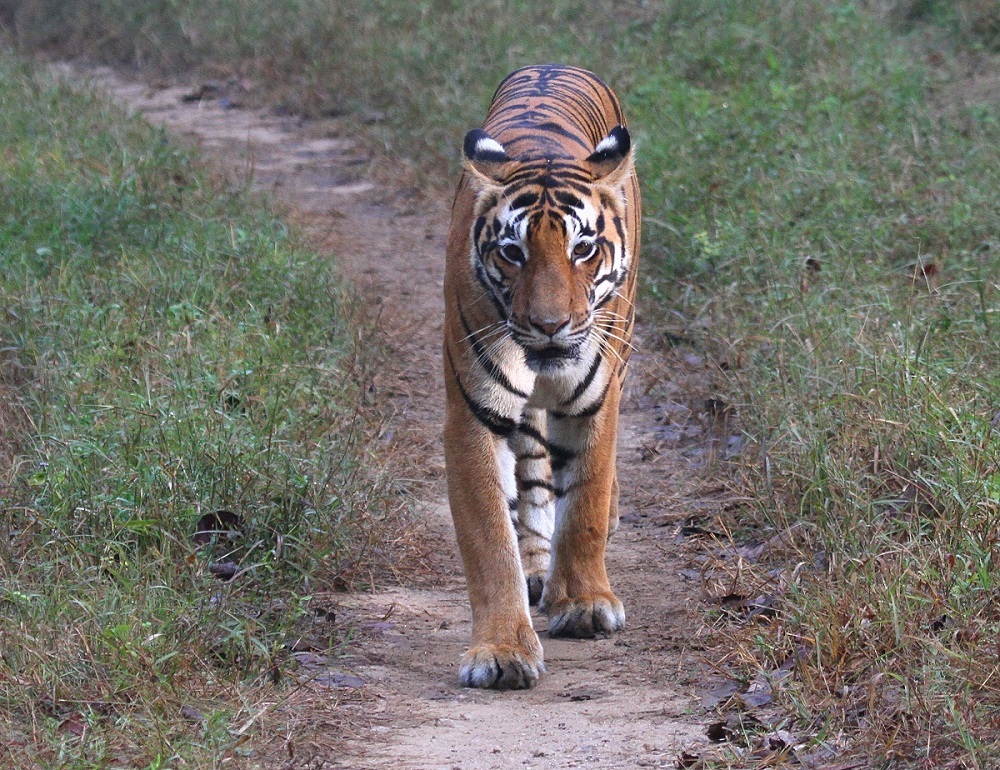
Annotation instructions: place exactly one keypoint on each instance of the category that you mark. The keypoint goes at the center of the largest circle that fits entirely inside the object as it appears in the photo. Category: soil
(394, 700)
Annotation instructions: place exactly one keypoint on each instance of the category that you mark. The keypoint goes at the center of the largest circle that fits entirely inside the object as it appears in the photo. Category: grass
(169, 351)
(832, 225)
(819, 182)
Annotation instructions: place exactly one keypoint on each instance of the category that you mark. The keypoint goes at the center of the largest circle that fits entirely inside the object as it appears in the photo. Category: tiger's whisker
(609, 336)
(498, 327)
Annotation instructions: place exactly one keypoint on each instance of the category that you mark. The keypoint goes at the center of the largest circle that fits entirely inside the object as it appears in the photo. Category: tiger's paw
(502, 667)
(536, 584)
(585, 617)
(535, 564)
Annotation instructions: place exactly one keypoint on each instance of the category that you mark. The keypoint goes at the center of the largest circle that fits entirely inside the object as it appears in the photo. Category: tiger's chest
(567, 389)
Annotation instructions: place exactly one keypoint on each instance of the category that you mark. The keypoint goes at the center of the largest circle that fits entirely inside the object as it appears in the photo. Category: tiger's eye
(512, 253)
(584, 249)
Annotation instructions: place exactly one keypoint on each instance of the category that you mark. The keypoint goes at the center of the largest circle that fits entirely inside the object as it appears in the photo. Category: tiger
(540, 277)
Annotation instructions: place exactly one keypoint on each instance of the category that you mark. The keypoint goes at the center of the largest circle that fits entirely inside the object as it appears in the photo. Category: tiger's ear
(485, 158)
(611, 160)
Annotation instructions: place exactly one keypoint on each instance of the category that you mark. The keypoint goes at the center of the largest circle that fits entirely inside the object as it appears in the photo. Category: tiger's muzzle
(550, 345)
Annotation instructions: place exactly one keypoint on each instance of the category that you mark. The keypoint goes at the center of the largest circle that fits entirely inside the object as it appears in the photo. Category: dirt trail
(622, 702)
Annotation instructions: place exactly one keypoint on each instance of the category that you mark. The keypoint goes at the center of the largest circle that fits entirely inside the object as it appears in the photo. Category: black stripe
(585, 383)
(590, 411)
(557, 222)
(561, 457)
(551, 127)
(555, 451)
(620, 229)
(607, 298)
(526, 177)
(560, 463)
(477, 230)
(491, 289)
(595, 407)
(495, 422)
(612, 277)
(524, 200)
(529, 484)
(623, 274)
(567, 199)
(491, 366)
(535, 532)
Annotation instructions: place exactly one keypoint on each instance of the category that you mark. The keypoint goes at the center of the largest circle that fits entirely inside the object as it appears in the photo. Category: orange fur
(539, 291)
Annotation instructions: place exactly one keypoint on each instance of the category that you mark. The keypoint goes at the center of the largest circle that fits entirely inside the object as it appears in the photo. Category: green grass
(176, 353)
(826, 222)
(820, 191)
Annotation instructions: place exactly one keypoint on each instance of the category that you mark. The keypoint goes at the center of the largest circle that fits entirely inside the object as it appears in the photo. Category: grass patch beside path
(172, 352)
(823, 220)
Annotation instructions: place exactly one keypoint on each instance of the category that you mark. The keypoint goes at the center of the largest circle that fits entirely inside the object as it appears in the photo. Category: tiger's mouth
(550, 357)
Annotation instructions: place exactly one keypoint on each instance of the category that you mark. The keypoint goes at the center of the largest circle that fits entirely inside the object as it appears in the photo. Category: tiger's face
(549, 243)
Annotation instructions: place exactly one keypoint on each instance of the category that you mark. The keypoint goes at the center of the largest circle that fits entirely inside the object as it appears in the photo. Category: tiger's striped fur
(539, 288)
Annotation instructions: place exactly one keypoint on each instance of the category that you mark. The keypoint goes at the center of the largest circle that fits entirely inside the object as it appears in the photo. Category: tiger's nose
(551, 326)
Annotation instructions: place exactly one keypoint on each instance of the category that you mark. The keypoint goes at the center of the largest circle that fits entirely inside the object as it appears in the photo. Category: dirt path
(623, 702)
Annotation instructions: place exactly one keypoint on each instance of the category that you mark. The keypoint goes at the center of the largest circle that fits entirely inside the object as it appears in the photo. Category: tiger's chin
(552, 359)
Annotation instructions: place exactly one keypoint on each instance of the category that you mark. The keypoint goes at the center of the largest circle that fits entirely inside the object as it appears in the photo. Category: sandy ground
(628, 701)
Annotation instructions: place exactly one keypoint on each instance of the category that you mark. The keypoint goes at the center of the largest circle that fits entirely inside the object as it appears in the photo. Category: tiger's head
(549, 240)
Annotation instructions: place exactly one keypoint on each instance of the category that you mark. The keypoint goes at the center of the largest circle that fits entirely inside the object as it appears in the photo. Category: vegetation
(824, 207)
(172, 362)
(820, 189)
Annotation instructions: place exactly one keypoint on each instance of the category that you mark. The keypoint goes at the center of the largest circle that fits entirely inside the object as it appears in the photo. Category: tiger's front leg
(535, 514)
(578, 597)
(505, 651)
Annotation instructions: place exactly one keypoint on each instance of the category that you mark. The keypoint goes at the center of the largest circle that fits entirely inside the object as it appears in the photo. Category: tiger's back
(539, 290)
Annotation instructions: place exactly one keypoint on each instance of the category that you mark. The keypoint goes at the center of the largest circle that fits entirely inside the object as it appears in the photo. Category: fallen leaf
(738, 727)
(763, 606)
(761, 696)
(719, 693)
(206, 90)
(192, 714)
(693, 530)
(751, 552)
(379, 626)
(779, 740)
(925, 272)
(716, 407)
(73, 725)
